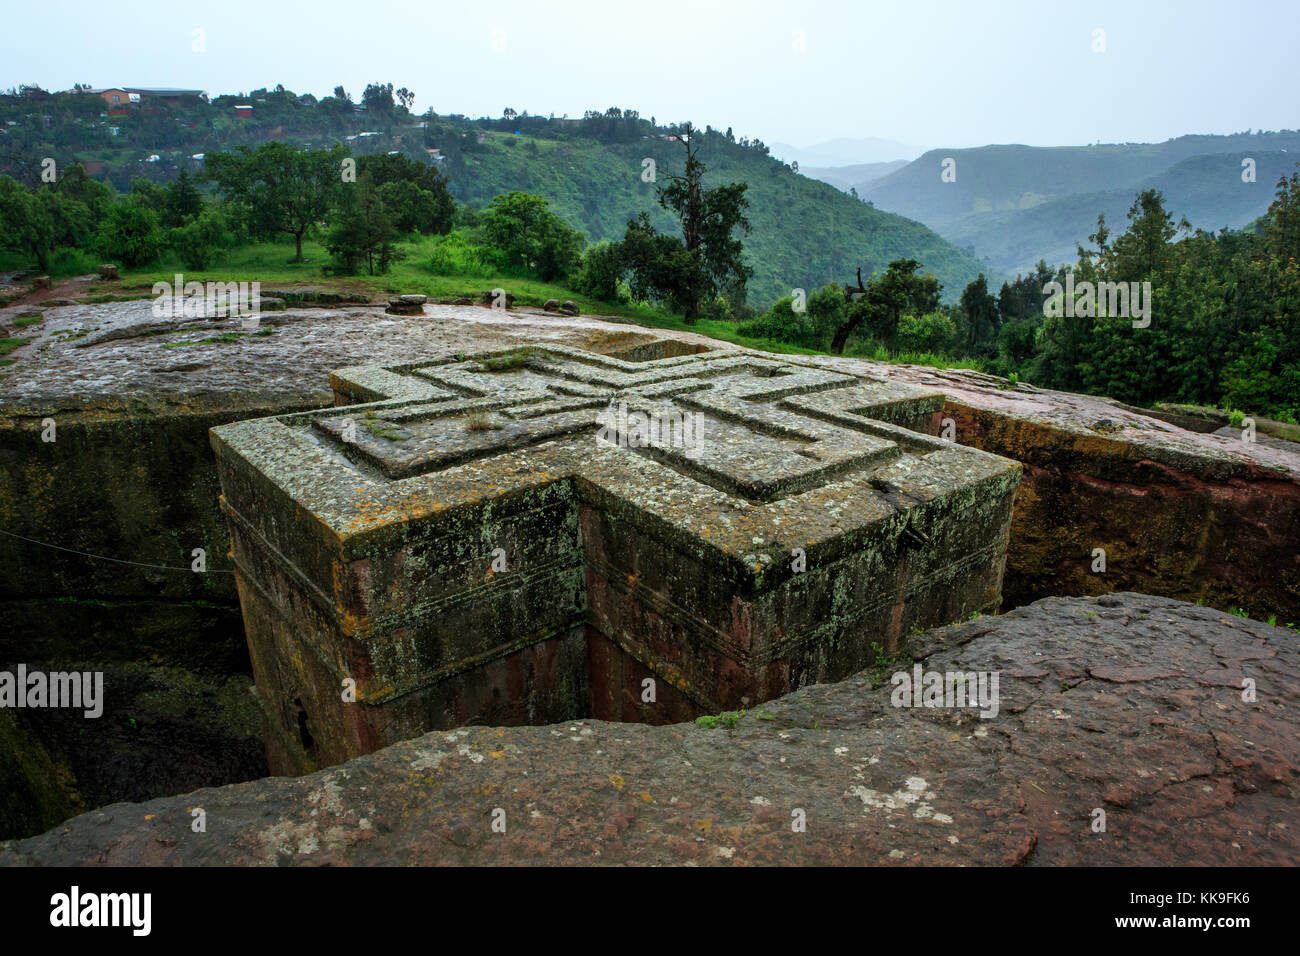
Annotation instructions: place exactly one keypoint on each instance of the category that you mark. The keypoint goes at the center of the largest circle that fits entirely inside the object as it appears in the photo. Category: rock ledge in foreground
(1125, 703)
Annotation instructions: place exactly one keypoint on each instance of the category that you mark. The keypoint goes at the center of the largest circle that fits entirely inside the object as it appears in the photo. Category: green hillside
(805, 233)
(1005, 178)
(1016, 204)
(1207, 190)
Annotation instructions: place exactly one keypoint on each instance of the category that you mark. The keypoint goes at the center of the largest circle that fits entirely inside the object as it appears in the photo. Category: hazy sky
(926, 72)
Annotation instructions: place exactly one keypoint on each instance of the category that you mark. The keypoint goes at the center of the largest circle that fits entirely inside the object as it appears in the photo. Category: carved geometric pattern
(649, 520)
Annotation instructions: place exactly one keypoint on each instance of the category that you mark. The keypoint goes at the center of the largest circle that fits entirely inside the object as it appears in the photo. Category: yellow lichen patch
(618, 782)
(497, 754)
(702, 825)
(645, 796)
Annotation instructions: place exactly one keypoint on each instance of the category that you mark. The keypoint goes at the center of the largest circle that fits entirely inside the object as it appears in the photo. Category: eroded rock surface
(1202, 517)
(1127, 703)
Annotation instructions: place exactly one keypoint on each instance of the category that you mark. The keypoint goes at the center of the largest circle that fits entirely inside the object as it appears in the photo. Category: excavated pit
(1200, 517)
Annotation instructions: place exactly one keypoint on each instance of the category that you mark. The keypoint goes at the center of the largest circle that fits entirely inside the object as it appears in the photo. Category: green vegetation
(885, 664)
(527, 235)
(509, 361)
(1014, 205)
(591, 171)
(8, 345)
(1222, 331)
(728, 719)
(381, 429)
(480, 422)
(601, 210)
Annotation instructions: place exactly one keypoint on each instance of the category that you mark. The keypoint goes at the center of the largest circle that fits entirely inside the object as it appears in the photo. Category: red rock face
(1200, 527)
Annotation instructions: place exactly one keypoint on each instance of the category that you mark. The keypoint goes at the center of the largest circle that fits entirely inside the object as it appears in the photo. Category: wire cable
(100, 557)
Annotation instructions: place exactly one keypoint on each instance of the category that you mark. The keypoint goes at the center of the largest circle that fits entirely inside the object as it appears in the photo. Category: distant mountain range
(856, 177)
(1013, 205)
(844, 152)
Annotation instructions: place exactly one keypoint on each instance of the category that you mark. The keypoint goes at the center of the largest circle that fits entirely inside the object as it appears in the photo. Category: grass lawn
(269, 264)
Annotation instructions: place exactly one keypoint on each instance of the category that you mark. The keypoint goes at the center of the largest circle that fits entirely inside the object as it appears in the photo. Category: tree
(198, 241)
(1142, 252)
(24, 226)
(363, 231)
(709, 219)
(75, 184)
(149, 194)
(979, 310)
(378, 99)
(421, 203)
(885, 299)
(412, 209)
(933, 332)
(279, 188)
(530, 236)
(602, 267)
(659, 268)
(182, 202)
(1282, 221)
(35, 224)
(131, 233)
(406, 98)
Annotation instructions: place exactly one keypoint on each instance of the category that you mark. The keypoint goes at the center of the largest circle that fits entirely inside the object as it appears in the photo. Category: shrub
(602, 267)
(933, 332)
(455, 255)
(783, 324)
(529, 235)
(199, 241)
(131, 234)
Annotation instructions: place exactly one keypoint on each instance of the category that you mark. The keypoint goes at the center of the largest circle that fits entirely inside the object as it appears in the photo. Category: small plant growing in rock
(1235, 417)
(479, 422)
(728, 719)
(381, 428)
(884, 664)
(507, 361)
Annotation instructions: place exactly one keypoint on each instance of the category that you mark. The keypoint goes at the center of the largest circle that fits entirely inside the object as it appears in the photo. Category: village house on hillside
(125, 95)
